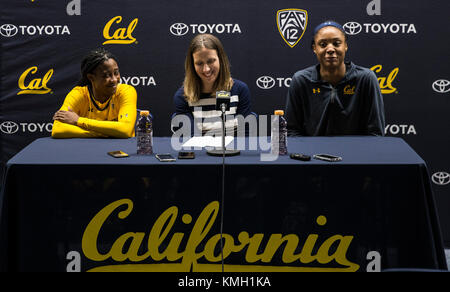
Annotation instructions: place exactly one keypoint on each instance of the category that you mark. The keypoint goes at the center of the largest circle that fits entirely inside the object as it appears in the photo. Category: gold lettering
(174, 244)
(341, 251)
(254, 243)
(157, 235)
(35, 86)
(306, 256)
(120, 35)
(161, 231)
(386, 82)
(172, 249)
(201, 228)
(90, 236)
(228, 247)
(275, 241)
(132, 253)
(108, 25)
(349, 90)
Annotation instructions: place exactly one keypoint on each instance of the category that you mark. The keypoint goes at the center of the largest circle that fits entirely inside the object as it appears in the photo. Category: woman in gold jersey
(99, 106)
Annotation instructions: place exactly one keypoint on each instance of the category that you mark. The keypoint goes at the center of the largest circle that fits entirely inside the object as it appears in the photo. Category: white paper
(207, 141)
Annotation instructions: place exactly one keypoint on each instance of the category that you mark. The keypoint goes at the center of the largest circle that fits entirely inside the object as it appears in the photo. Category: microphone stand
(223, 108)
(223, 152)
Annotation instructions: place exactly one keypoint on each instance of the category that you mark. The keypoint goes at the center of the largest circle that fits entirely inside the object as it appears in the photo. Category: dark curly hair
(91, 61)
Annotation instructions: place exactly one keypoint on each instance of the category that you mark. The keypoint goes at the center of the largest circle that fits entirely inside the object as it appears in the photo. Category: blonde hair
(192, 82)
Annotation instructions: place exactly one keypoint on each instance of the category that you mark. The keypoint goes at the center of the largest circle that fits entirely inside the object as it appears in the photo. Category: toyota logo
(441, 86)
(9, 127)
(265, 82)
(352, 28)
(179, 29)
(8, 30)
(441, 178)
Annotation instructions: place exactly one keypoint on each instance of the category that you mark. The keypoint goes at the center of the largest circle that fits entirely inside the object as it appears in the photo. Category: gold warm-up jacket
(114, 118)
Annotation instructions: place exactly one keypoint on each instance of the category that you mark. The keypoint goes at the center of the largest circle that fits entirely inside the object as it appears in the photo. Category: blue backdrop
(405, 42)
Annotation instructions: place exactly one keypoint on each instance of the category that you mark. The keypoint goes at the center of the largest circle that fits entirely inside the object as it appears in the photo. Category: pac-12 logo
(292, 25)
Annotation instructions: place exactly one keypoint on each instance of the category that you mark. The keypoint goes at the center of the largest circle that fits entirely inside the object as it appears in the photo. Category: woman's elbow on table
(126, 130)
(57, 131)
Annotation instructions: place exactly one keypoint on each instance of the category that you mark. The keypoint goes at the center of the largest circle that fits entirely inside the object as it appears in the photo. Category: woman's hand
(68, 117)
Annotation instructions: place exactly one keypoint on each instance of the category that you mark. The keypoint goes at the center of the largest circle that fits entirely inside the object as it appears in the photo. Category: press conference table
(67, 205)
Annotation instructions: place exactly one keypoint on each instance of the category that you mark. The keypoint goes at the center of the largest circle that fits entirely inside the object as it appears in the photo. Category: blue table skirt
(378, 199)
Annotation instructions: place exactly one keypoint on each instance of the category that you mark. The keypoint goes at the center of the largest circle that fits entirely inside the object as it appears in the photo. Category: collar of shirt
(315, 76)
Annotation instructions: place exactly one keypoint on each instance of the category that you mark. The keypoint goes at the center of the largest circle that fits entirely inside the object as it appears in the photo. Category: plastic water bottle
(279, 134)
(144, 134)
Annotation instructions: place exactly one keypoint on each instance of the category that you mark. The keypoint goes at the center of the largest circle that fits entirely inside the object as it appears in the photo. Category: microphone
(223, 100)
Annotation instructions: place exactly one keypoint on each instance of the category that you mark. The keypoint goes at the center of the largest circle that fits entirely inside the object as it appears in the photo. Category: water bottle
(144, 134)
(279, 134)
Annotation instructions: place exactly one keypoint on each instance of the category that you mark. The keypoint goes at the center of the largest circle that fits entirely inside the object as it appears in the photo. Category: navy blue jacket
(316, 108)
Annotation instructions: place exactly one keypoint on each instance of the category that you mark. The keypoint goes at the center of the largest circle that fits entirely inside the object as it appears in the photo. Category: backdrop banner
(42, 43)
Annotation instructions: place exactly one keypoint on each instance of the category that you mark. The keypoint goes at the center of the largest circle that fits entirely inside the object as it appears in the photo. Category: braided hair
(91, 61)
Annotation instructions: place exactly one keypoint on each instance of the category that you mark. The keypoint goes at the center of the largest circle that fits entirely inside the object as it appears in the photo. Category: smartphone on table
(186, 155)
(327, 157)
(118, 154)
(165, 157)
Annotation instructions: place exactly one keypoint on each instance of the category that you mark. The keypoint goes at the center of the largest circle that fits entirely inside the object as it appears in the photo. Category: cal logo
(121, 35)
(316, 90)
(349, 90)
(292, 25)
(36, 85)
(386, 85)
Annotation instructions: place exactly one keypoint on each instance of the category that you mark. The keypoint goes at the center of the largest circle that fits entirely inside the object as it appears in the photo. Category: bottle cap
(144, 113)
(279, 112)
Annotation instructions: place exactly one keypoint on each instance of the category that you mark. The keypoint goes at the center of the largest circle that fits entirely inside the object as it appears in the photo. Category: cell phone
(327, 157)
(298, 156)
(118, 154)
(165, 157)
(186, 155)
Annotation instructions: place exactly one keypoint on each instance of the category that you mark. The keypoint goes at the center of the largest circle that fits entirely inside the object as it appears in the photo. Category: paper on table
(207, 141)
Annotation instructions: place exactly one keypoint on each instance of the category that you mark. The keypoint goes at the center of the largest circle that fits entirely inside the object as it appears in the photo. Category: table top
(352, 149)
